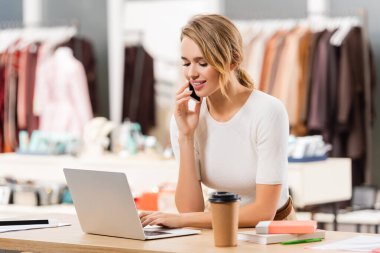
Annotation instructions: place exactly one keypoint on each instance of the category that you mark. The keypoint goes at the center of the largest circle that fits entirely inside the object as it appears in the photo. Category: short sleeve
(175, 146)
(272, 143)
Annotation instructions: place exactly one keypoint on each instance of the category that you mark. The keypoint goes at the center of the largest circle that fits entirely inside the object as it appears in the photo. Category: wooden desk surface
(72, 239)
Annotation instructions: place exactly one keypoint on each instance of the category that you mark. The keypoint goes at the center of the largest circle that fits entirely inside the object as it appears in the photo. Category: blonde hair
(222, 46)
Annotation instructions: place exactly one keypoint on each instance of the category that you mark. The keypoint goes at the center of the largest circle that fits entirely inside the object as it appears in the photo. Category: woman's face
(202, 76)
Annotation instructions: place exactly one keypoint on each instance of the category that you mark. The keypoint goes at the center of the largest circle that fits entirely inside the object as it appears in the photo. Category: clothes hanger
(345, 27)
(8, 37)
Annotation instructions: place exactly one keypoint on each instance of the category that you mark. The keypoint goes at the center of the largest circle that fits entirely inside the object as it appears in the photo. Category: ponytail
(244, 78)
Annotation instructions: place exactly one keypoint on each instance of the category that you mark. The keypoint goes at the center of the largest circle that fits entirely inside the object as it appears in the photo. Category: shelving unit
(311, 183)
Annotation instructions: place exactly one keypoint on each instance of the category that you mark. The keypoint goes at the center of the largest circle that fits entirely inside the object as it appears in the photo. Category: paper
(27, 227)
(358, 243)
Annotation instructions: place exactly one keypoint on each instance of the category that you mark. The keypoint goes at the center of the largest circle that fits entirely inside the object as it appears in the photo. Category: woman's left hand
(162, 219)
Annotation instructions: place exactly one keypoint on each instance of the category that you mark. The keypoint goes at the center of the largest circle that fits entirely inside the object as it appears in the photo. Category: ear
(233, 66)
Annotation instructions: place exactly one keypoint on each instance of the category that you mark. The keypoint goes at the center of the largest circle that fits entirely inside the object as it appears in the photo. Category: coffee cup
(225, 218)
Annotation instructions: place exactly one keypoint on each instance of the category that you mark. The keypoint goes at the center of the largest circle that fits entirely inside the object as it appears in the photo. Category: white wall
(160, 23)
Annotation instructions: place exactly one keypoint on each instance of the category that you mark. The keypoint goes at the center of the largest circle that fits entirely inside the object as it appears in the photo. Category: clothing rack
(58, 23)
(41, 31)
(330, 23)
(63, 34)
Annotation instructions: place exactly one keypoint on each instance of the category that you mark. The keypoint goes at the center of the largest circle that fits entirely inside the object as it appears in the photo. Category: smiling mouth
(199, 86)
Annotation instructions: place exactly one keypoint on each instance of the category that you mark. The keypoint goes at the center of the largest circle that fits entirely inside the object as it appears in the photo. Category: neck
(223, 108)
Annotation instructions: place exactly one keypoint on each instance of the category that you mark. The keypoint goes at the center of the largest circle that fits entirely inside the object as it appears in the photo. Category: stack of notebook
(286, 232)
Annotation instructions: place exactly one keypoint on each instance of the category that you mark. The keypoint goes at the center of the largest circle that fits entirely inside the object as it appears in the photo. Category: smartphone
(193, 95)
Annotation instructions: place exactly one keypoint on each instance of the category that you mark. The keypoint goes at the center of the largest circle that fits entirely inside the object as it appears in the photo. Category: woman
(234, 140)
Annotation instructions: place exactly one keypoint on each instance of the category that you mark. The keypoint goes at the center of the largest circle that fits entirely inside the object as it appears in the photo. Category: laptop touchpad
(153, 233)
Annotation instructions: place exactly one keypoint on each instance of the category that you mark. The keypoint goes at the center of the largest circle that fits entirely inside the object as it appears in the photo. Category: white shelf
(311, 183)
(143, 172)
(320, 182)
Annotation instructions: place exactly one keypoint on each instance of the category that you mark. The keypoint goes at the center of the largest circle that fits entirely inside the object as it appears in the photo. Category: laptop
(105, 206)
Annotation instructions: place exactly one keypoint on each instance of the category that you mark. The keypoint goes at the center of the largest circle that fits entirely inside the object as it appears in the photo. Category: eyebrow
(195, 59)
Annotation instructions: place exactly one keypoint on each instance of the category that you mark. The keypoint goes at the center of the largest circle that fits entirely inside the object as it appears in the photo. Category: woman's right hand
(186, 120)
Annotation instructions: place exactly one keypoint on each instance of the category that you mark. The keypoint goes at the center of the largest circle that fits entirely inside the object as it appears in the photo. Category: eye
(186, 64)
(203, 64)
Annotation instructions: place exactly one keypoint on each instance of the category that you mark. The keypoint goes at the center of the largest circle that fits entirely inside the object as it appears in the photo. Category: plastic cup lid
(223, 197)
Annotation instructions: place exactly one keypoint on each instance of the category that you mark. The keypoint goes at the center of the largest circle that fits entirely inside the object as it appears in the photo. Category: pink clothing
(61, 94)
(22, 89)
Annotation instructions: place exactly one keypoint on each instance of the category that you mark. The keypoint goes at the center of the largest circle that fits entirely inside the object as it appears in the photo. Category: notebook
(286, 227)
(105, 206)
(252, 236)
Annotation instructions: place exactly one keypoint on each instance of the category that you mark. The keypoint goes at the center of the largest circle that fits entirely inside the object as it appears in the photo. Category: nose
(193, 73)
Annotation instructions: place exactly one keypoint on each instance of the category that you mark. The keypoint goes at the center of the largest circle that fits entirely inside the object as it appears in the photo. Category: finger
(183, 94)
(151, 215)
(183, 100)
(142, 219)
(144, 213)
(182, 88)
(148, 221)
(158, 222)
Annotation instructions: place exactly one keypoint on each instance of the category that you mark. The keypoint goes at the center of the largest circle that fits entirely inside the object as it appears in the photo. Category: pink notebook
(286, 227)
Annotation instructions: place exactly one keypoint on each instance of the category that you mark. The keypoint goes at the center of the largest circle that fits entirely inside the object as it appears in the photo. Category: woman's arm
(188, 195)
(264, 208)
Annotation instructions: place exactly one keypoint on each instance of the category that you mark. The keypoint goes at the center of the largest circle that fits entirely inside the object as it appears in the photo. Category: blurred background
(91, 83)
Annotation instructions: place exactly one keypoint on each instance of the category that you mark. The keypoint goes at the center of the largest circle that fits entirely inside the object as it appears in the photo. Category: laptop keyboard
(153, 233)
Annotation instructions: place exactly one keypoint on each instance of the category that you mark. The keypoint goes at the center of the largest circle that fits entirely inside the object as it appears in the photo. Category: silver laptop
(105, 206)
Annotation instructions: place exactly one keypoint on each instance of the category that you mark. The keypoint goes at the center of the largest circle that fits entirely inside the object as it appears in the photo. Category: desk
(71, 239)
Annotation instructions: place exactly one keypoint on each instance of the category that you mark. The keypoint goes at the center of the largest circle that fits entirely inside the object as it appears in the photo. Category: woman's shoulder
(263, 103)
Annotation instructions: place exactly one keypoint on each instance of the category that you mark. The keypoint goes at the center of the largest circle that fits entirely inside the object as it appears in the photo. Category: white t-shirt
(249, 149)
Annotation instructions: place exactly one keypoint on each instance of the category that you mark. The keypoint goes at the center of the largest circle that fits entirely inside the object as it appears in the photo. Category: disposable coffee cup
(225, 218)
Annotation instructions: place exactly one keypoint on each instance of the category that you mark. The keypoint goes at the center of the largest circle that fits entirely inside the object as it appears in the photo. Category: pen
(302, 241)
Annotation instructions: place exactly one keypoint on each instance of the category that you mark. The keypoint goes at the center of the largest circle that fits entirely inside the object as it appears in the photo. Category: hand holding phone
(187, 109)
(193, 94)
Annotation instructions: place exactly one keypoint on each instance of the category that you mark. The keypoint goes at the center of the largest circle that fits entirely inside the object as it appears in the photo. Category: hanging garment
(249, 39)
(21, 91)
(2, 86)
(10, 97)
(351, 104)
(26, 82)
(83, 52)
(61, 94)
(138, 93)
(332, 88)
(299, 125)
(253, 59)
(276, 60)
(311, 71)
(286, 79)
(319, 96)
(271, 49)
(32, 57)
